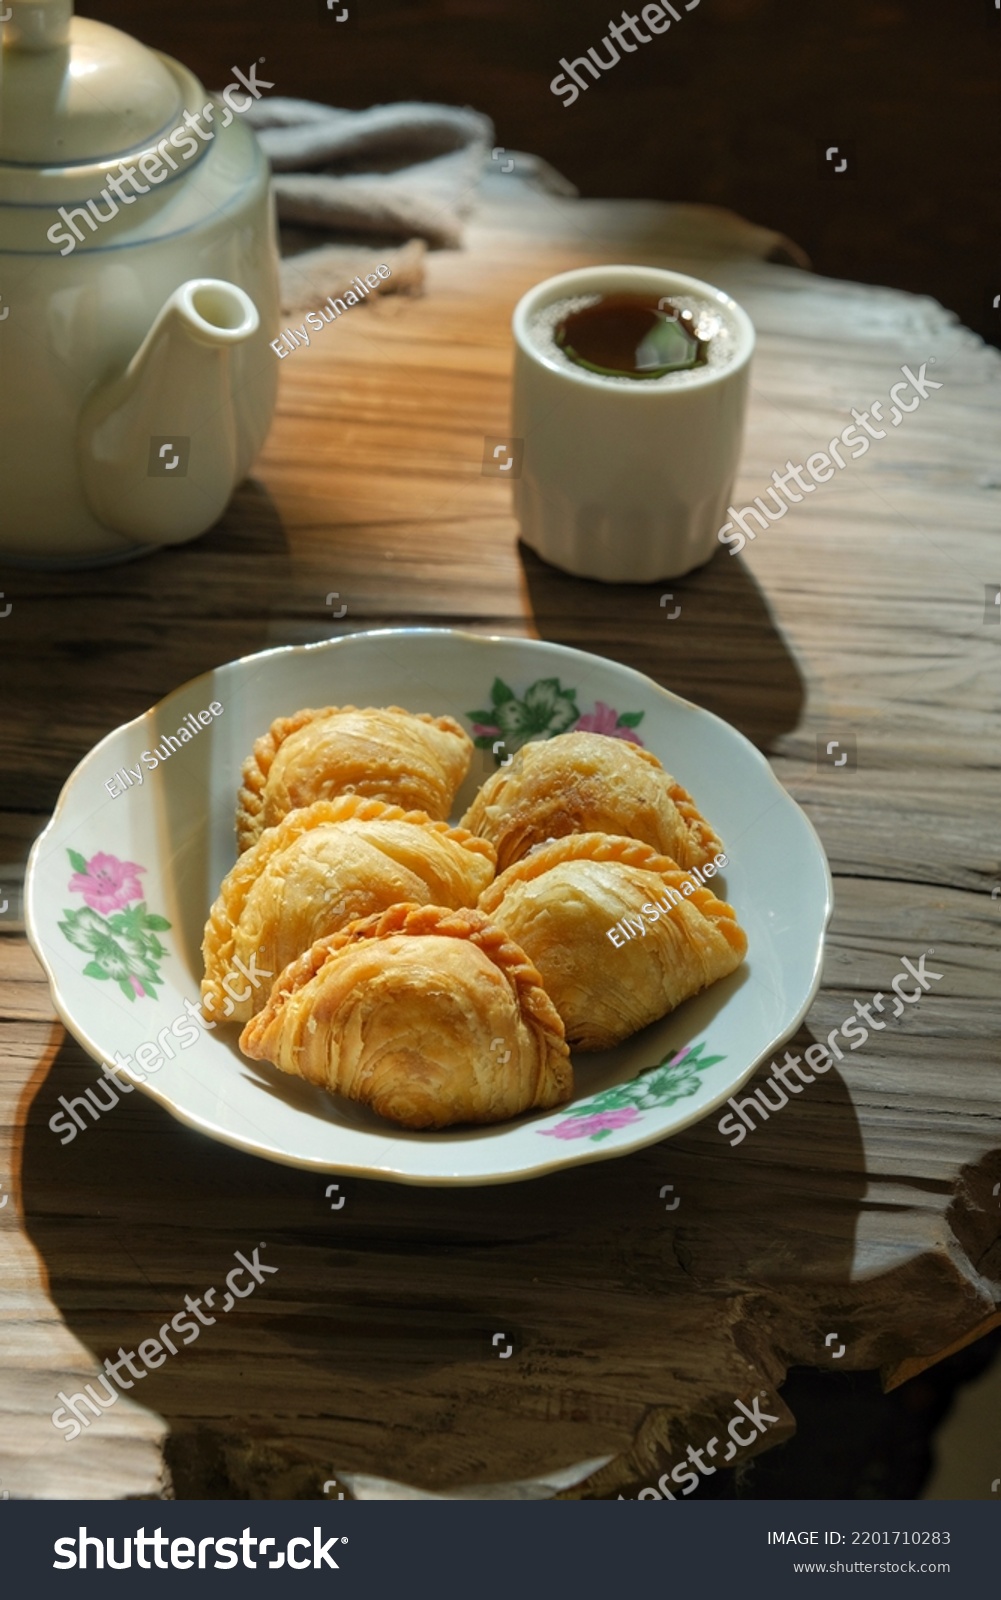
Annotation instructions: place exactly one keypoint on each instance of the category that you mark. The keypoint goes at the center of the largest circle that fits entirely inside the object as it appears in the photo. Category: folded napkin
(384, 176)
(403, 171)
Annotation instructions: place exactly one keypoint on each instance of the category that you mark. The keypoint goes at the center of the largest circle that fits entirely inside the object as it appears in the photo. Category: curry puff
(407, 759)
(589, 783)
(430, 1017)
(561, 903)
(320, 868)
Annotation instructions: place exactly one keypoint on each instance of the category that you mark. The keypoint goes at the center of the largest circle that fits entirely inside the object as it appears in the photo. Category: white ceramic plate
(119, 886)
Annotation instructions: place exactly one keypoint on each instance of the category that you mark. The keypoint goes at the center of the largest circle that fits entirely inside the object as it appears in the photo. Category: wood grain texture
(865, 1208)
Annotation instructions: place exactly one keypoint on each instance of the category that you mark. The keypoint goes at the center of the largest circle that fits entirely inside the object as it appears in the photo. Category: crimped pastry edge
(250, 800)
(709, 841)
(618, 849)
(704, 836)
(604, 847)
(219, 938)
(419, 921)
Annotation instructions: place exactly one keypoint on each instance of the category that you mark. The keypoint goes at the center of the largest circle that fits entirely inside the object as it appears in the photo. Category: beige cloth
(358, 188)
(401, 171)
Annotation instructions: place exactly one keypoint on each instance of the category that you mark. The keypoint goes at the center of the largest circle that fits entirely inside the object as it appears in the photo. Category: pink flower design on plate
(604, 720)
(108, 884)
(587, 1127)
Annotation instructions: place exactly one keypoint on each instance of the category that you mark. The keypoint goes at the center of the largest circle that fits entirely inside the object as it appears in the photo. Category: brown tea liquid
(632, 336)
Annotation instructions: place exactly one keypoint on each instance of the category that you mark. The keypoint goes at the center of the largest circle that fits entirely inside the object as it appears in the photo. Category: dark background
(729, 107)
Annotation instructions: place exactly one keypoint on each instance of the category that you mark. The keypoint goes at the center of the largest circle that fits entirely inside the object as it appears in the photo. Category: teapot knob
(36, 24)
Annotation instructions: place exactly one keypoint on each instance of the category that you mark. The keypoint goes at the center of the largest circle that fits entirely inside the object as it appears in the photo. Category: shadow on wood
(372, 1349)
(122, 637)
(723, 652)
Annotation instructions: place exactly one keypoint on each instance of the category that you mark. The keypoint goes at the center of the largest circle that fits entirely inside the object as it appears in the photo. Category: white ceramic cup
(628, 482)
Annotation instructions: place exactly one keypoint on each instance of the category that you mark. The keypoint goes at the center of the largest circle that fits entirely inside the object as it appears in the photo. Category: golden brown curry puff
(383, 753)
(430, 1017)
(562, 902)
(589, 783)
(322, 867)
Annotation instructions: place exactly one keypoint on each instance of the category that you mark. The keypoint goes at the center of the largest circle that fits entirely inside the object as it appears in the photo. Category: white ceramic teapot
(138, 292)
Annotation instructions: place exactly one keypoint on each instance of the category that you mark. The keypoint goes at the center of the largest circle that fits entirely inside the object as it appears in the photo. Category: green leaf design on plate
(662, 1085)
(122, 946)
(546, 708)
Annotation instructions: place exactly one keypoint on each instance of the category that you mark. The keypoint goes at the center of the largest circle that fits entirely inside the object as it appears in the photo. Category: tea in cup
(630, 391)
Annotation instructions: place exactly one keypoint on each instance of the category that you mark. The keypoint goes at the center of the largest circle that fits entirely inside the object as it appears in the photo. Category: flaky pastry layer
(406, 758)
(589, 783)
(430, 1016)
(671, 937)
(321, 867)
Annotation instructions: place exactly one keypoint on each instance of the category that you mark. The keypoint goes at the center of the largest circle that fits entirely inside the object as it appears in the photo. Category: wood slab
(866, 1209)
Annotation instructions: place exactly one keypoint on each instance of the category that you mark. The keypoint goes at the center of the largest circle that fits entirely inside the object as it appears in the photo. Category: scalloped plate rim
(562, 1157)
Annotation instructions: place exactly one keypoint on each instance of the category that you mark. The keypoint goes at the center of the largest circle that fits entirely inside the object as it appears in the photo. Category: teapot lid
(77, 91)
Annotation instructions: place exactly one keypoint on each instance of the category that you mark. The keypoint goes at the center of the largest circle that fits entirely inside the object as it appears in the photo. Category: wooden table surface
(868, 1209)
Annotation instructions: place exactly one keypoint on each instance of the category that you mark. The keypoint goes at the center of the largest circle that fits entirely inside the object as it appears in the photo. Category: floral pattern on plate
(784, 886)
(120, 937)
(544, 710)
(670, 1080)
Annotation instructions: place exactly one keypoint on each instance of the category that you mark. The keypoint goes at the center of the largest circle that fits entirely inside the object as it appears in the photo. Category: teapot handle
(36, 24)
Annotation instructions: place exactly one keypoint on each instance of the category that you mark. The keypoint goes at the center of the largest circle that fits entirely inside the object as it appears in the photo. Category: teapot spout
(158, 444)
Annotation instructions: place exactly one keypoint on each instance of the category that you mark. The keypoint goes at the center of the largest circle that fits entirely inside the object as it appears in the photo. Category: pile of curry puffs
(439, 974)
